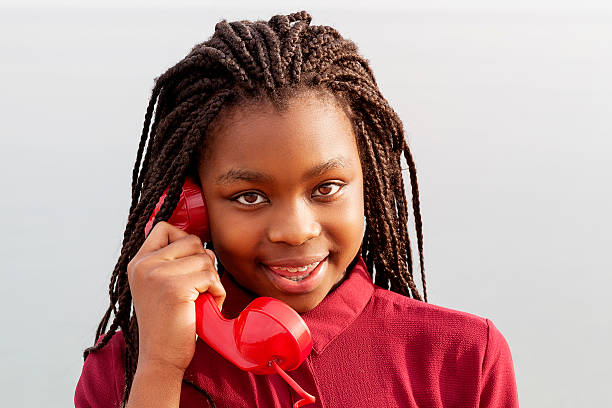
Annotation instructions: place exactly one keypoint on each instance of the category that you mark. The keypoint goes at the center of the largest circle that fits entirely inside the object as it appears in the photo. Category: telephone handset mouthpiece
(266, 331)
(268, 336)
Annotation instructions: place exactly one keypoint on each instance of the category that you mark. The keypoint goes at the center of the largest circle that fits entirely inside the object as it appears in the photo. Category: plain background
(507, 109)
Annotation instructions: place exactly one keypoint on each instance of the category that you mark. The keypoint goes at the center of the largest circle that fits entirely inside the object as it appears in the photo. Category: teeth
(294, 270)
(296, 278)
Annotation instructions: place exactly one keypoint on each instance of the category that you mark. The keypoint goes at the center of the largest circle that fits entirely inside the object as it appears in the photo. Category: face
(284, 193)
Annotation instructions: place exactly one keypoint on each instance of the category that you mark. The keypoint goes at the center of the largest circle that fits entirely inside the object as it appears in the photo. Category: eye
(328, 189)
(250, 198)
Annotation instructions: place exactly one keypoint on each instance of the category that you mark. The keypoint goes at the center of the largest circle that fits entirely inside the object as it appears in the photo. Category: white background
(507, 108)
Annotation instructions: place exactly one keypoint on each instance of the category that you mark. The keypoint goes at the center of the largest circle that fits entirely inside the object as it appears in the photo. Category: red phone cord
(306, 397)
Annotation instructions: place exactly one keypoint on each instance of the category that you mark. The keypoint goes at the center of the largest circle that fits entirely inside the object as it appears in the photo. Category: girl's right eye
(250, 198)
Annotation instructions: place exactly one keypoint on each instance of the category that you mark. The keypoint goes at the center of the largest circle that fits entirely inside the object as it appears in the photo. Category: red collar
(329, 318)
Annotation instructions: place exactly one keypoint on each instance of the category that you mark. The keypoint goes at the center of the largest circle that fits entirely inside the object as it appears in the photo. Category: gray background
(507, 109)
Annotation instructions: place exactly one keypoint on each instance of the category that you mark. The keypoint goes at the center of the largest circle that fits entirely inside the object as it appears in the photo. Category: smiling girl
(297, 154)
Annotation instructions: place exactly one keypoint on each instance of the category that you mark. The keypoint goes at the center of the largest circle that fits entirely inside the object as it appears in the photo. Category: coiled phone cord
(306, 397)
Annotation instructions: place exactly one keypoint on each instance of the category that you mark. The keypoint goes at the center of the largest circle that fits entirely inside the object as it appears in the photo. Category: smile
(290, 272)
(297, 279)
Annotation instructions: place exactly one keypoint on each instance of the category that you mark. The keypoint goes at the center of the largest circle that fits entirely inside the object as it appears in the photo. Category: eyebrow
(236, 175)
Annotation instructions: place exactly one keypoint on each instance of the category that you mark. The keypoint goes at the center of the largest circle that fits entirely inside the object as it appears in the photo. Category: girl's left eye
(328, 189)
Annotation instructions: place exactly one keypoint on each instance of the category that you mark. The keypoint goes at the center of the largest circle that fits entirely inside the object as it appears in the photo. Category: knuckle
(132, 267)
(154, 274)
(203, 261)
(220, 288)
(157, 228)
(142, 271)
(195, 243)
(211, 254)
(161, 225)
(213, 282)
(221, 294)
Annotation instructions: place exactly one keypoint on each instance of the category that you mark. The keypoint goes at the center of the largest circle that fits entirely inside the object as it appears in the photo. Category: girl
(298, 155)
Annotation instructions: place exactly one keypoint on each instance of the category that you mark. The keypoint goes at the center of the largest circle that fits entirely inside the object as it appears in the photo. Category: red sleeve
(498, 384)
(102, 378)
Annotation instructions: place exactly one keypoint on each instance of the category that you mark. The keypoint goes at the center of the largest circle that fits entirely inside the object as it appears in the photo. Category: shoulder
(442, 328)
(102, 377)
(394, 305)
(432, 324)
(451, 342)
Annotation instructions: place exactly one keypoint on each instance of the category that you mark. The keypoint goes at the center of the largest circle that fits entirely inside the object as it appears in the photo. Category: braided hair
(274, 60)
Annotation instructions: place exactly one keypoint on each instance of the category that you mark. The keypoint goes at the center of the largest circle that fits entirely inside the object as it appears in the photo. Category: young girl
(298, 155)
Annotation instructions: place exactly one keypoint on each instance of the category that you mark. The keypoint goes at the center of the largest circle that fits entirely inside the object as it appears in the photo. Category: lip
(306, 285)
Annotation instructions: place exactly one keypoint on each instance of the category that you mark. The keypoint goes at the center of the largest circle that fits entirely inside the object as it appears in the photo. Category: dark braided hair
(247, 61)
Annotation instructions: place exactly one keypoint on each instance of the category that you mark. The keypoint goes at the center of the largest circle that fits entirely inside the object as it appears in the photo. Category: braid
(249, 61)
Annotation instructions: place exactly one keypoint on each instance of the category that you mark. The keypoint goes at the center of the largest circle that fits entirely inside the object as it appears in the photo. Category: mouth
(297, 279)
(294, 273)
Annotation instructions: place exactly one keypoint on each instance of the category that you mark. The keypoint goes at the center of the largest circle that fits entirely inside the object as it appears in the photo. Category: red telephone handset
(268, 336)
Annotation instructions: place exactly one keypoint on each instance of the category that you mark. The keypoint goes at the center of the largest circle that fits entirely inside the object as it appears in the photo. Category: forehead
(309, 131)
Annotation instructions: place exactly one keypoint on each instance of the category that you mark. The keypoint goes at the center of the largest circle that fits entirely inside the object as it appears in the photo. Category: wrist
(155, 385)
(159, 369)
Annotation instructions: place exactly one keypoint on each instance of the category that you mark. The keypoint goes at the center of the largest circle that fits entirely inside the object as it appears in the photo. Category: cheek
(235, 237)
(347, 222)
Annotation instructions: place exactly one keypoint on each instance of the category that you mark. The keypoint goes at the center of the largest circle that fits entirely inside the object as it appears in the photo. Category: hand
(166, 276)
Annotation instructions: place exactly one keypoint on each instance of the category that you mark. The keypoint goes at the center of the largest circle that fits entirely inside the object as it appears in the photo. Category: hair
(248, 61)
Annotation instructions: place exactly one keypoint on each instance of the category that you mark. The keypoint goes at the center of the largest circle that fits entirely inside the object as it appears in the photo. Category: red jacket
(371, 347)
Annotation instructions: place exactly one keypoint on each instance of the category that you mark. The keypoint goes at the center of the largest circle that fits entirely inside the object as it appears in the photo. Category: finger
(161, 236)
(216, 289)
(183, 247)
(192, 264)
(212, 255)
(200, 283)
(218, 299)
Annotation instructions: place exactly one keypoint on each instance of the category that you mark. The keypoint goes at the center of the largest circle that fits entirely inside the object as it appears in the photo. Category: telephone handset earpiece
(190, 213)
(268, 336)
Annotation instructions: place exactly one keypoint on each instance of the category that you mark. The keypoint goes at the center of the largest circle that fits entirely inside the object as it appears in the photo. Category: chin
(303, 306)
(303, 309)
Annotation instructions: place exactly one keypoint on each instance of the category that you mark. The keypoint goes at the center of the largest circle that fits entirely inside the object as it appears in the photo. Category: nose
(293, 223)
